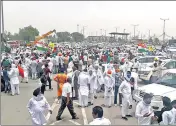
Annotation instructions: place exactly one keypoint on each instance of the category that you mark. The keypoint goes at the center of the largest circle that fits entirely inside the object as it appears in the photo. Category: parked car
(165, 86)
(145, 73)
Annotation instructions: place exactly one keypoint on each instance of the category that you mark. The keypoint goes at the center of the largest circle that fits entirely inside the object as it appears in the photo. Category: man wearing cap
(109, 92)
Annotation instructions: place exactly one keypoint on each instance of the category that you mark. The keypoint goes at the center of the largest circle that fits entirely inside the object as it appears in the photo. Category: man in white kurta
(169, 117)
(14, 80)
(97, 113)
(83, 82)
(92, 81)
(125, 93)
(37, 107)
(109, 92)
(99, 80)
(144, 111)
(25, 73)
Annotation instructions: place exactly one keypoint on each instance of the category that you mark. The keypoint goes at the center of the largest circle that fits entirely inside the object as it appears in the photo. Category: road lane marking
(76, 123)
(55, 122)
(52, 108)
(84, 114)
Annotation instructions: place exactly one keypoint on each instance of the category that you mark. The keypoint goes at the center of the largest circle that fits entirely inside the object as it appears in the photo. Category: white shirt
(169, 117)
(100, 121)
(85, 57)
(67, 89)
(141, 110)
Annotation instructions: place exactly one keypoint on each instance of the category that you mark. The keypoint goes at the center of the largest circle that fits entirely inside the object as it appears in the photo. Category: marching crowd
(83, 74)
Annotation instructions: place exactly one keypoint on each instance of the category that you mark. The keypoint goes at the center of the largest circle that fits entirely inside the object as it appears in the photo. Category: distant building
(98, 38)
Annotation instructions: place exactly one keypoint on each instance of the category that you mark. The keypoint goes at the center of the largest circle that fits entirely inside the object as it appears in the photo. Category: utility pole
(84, 30)
(125, 35)
(2, 39)
(78, 28)
(105, 32)
(164, 33)
(134, 29)
(117, 28)
(149, 33)
(101, 32)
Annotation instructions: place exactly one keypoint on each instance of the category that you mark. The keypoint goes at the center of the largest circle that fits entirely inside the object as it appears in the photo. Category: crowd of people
(83, 74)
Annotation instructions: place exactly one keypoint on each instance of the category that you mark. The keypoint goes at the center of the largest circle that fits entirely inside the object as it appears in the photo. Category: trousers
(125, 105)
(91, 97)
(69, 106)
(108, 100)
(83, 100)
(15, 89)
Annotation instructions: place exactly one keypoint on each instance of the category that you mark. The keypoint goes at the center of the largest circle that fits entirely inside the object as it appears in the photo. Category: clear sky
(96, 15)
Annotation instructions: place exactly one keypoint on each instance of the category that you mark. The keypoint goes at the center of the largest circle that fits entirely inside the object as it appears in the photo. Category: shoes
(58, 118)
(75, 117)
(129, 115)
(125, 118)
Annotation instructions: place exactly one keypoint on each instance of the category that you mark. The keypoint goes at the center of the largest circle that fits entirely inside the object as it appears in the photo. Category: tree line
(29, 33)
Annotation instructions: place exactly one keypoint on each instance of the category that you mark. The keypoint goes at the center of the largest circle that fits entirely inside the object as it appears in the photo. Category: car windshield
(168, 79)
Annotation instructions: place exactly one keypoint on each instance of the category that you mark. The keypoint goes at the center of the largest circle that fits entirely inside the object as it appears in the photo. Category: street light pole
(164, 33)
(78, 28)
(134, 28)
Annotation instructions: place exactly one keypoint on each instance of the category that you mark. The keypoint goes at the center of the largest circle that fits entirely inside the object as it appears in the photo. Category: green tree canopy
(63, 37)
(77, 37)
(28, 33)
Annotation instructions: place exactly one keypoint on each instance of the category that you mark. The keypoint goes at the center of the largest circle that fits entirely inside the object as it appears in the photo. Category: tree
(77, 37)
(156, 40)
(63, 37)
(28, 33)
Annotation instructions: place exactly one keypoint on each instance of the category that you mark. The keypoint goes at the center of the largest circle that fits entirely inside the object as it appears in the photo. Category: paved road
(14, 111)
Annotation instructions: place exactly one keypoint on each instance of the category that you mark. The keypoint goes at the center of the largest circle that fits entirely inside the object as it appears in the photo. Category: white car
(166, 86)
(145, 73)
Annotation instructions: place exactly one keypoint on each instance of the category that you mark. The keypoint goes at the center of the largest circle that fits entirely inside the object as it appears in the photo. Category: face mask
(38, 97)
(128, 75)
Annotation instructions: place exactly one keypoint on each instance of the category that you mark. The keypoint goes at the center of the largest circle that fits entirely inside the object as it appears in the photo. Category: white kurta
(169, 117)
(99, 79)
(125, 90)
(83, 81)
(36, 108)
(109, 84)
(142, 109)
(92, 82)
(13, 75)
(100, 121)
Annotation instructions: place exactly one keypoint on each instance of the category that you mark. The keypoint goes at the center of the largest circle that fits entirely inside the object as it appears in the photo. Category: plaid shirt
(118, 80)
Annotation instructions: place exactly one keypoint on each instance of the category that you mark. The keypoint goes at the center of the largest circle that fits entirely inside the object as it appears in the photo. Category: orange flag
(21, 71)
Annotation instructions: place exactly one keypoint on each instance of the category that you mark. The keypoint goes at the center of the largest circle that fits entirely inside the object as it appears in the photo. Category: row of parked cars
(166, 84)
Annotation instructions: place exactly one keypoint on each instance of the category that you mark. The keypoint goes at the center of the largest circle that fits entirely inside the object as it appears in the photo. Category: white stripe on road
(76, 123)
(55, 122)
(52, 108)
(84, 114)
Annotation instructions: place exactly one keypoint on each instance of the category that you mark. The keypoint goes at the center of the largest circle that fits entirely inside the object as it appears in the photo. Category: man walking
(67, 100)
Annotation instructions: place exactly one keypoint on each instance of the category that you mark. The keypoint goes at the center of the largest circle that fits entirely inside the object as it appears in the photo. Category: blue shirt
(5, 75)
